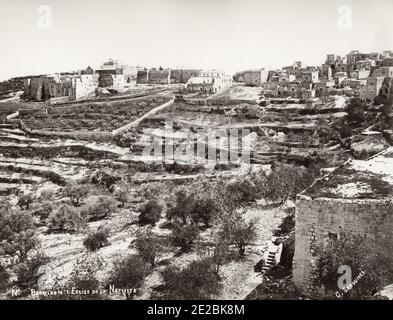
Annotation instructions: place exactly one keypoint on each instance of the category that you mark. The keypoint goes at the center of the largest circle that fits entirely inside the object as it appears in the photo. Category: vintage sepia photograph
(175, 150)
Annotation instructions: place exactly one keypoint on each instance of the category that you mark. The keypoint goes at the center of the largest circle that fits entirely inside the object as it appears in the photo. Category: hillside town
(99, 179)
(362, 75)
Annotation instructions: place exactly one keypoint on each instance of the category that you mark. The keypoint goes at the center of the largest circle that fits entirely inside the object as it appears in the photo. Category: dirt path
(136, 122)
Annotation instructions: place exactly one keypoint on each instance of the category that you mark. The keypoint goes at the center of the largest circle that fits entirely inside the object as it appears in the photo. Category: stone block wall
(182, 76)
(36, 89)
(142, 76)
(317, 218)
(159, 76)
(166, 76)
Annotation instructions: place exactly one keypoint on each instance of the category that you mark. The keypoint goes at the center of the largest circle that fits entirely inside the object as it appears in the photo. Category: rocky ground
(31, 163)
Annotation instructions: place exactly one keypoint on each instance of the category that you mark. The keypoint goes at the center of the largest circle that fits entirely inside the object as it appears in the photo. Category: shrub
(198, 281)
(279, 186)
(345, 131)
(96, 240)
(184, 236)
(13, 221)
(239, 232)
(150, 212)
(44, 211)
(219, 252)
(84, 279)
(101, 208)
(242, 190)
(150, 247)
(128, 272)
(181, 210)
(4, 278)
(373, 257)
(23, 242)
(83, 275)
(152, 190)
(67, 219)
(204, 209)
(286, 226)
(198, 208)
(47, 195)
(105, 178)
(75, 192)
(356, 111)
(28, 272)
(387, 109)
(122, 195)
(26, 200)
(285, 181)
(17, 232)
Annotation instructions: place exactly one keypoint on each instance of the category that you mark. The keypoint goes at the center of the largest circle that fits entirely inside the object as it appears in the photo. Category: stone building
(270, 89)
(72, 87)
(386, 91)
(154, 76)
(354, 84)
(342, 67)
(357, 60)
(284, 77)
(387, 62)
(357, 197)
(255, 77)
(294, 70)
(383, 72)
(83, 86)
(119, 81)
(306, 94)
(330, 59)
(371, 89)
(142, 77)
(360, 74)
(58, 87)
(295, 90)
(200, 84)
(110, 67)
(213, 73)
(34, 88)
(323, 88)
(209, 81)
(326, 72)
(105, 80)
(167, 76)
(310, 76)
(339, 77)
(183, 75)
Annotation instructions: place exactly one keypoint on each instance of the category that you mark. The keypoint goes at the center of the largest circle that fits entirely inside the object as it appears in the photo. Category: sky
(223, 34)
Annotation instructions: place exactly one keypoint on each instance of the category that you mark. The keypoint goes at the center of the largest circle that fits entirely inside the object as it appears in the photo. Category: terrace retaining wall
(100, 136)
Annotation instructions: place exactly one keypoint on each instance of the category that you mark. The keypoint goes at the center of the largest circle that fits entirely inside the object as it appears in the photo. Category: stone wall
(142, 77)
(153, 76)
(159, 76)
(167, 76)
(182, 76)
(36, 89)
(318, 218)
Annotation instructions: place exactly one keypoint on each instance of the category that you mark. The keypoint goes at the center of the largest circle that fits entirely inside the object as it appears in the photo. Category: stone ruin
(356, 197)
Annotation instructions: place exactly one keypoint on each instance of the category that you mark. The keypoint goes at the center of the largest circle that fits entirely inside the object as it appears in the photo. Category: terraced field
(36, 164)
(284, 135)
(103, 116)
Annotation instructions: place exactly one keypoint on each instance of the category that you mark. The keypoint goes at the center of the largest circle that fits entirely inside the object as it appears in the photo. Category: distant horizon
(233, 35)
